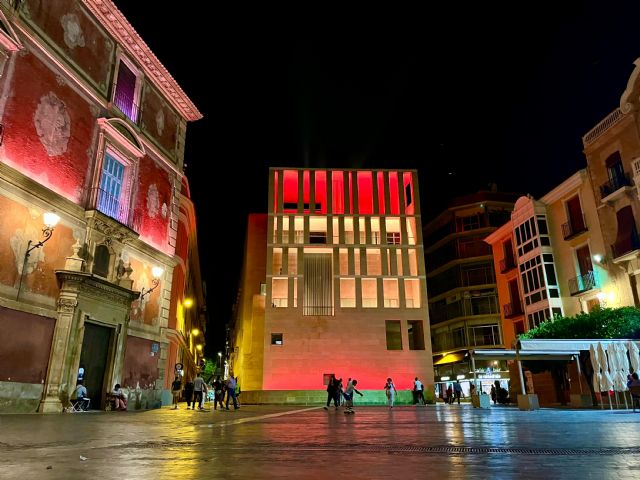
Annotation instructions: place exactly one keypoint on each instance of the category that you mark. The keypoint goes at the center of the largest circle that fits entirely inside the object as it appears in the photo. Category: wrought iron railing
(126, 104)
(321, 310)
(574, 227)
(614, 184)
(114, 207)
(582, 283)
(626, 245)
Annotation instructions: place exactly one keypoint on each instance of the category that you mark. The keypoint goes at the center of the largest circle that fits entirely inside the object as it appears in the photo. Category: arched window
(101, 261)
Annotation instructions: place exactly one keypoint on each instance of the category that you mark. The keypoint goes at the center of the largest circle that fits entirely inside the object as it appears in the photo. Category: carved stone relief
(153, 201)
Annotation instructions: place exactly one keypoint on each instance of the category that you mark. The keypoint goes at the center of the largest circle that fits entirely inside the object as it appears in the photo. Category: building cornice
(117, 25)
(502, 232)
(568, 186)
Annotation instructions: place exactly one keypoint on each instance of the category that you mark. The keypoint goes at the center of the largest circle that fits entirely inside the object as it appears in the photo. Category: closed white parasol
(614, 368)
(634, 356)
(593, 355)
(623, 364)
(607, 383)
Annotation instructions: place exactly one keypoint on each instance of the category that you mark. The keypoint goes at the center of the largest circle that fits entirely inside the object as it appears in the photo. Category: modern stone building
(463, 301)
(92, 135)
(333, 283)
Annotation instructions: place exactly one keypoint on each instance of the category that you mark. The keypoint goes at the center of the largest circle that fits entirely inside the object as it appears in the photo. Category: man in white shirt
(418, 392)
(81, 397)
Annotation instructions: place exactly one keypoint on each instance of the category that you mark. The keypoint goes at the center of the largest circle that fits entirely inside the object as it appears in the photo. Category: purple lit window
(125, 92)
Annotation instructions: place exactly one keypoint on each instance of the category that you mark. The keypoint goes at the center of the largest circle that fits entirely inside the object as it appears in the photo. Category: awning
(568, 344)
(524, 354)
(451, 358)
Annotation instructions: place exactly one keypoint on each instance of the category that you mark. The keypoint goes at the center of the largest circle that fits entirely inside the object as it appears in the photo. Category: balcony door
(574, 210)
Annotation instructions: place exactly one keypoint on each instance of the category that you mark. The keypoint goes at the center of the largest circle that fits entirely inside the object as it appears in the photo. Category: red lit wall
(337, 191)
(290, 191)
(26, 343)
(381, 193)
(306, 190)
(94, 55)
(365, 193)
(394, 208)
(153, 201)
(140, 366)
(39, 101)
(159, 121)
(408, 193)
(275, 192)
(320, 191)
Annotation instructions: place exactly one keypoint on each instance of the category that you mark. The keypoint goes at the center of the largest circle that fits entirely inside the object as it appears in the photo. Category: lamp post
(219, 361)
(50, 220)
(157, 273)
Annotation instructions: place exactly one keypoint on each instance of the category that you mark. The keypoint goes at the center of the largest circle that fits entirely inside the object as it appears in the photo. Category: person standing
(231, 393)
(450, 395)
(198, 390)
(332, 389)
(418, 392)
(457, 390)
(188, 394)
(176, 388)
(390, 391)
(218, 390)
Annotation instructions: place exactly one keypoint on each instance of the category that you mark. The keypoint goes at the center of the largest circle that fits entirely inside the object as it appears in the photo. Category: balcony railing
(320, 310)
(582, 283)
(512, 310)
(627, 245)
(574, 227)
(614, 184)
(125, 102)
(506, 264)
(114, 207)
(604, 125)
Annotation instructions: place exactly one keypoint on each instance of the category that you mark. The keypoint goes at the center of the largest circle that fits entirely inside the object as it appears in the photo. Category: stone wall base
(18, 397)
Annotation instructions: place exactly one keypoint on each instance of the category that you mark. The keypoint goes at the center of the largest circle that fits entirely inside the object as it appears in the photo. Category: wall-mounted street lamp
(157, 273)
(195, 332)
(187, 302)
(50, 220)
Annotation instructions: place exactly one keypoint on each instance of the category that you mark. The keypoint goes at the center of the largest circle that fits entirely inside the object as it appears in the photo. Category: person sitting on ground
(81, 397)
(119, 397)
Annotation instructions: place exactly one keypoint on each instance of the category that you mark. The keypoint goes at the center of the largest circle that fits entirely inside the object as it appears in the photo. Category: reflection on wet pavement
(286, 442)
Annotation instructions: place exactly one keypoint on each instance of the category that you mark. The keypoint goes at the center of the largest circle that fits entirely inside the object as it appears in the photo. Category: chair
(635, 396)
(79, 405)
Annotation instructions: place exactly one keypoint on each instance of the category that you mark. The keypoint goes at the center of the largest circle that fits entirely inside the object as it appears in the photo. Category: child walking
(348, 396)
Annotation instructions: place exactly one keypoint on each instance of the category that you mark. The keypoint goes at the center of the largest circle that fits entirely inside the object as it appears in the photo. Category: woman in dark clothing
(188, 394)
(332, 390)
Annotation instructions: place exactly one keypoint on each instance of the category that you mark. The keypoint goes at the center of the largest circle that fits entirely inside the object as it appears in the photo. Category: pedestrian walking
(494, 394)
(176, 388)
(231, 393)
(332, 392)
(390, 391)
(443, 393)
(450, 395)
(339, 392)
(418, 392)
(348, 395)
(218, 390)
(199, 388)
(457, 391)
(188, 394)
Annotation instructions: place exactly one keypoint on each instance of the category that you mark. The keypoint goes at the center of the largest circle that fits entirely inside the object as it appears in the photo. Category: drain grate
(453, 450)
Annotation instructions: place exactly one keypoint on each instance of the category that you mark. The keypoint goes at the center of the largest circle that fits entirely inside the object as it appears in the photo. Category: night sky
(466, 94)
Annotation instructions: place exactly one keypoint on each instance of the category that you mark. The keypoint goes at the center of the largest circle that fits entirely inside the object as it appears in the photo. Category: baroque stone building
(92, 135)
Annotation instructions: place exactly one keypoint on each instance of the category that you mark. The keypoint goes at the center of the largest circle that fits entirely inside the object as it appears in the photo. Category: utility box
(528, 402)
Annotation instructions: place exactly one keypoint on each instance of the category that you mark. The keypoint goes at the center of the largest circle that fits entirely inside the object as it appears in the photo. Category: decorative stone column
(51, 402)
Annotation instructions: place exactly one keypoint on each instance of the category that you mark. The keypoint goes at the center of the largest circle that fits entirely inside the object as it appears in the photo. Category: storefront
(456, 367)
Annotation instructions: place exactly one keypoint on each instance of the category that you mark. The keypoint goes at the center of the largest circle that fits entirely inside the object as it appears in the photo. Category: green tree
(623, 322)
(209, 369)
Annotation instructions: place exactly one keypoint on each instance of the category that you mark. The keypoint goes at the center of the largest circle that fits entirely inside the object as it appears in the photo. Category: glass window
(276, 339)
(126, 91)
(416, 335)
(413, 262)
(276, 263)
(111, 198)
(390, 292)
(369, 293)
(347, 292)
(394, 334)
(344, 261)
(293, 261)
(279, 292)
(412, 292)
(374, 262)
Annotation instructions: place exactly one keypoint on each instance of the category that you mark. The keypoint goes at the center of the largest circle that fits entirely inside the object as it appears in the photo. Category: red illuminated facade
(94, 129)
(340, 259)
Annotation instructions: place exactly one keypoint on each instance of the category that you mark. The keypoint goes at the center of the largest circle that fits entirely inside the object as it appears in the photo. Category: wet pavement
(298, 443)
